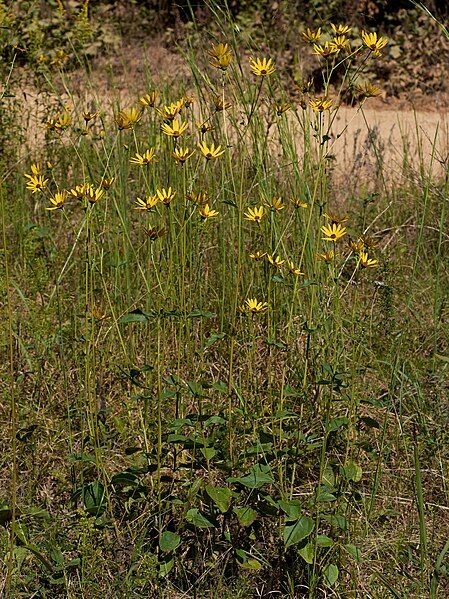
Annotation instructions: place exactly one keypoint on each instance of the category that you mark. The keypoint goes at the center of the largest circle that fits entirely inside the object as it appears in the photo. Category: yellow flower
(312, 36)
(367, 90)
(89, 116)
(93, 195)
(63, 120)
(255, 214)
(281, 107)
(367, 262)
(205, 127)
(327, 256)
(276, 262)
(298, 203)
(335, 219)
(36, 183)
(144, 159)
(320, 104)
(276, 205)
(169, 112)
(333, 232)
(154, 233)
(326, 50)
(149, 99)
(200, 198)
(294, 270)
(262, 67)
(257, 255)
(80, 190)
(253, 306)
(210, 152)
(369, 242)
(181, 155)
(220, 104)
(176, 129)
(166, 195)
(341, 42)
(147, 204)
(340, 29)
(58, 200)
(127, 118)
(188, 101)
(356, 246)
(217, 50)
(107, 183)
(206, 212)
(35, 169)
(221, 56)
(374, 43)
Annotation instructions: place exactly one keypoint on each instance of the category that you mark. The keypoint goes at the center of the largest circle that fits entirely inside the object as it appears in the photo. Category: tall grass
(222, 404)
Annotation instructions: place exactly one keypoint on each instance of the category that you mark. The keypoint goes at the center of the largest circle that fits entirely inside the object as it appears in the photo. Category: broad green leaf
(195, 517)
(208, 452)
(213, 339)
(134, 316)
(307, 553)
(166, 567)
(331, 574)
(354, 551)
(337, 423)
(169, 541)
(352, 471)
(324, 541)
(256, 478)
(221, 496)
(245, 515)
(94, 498)
(294, 532)
(291, 508)
(201, 314)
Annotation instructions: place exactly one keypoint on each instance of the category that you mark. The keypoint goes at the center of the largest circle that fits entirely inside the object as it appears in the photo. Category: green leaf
(208, 452)
(134, 316)
(307, 553)
(256, 478)
(294, 532)
(331, 574)
(324, 541)
(169, 541)
(166, 567)
(291, 508)
(245, 515)
(94, 498)
(201, 314)
(221, 496)
(354, 551)
(337, 423)
(213, 339)
(245, 560)
(195, 517)
(352, 471)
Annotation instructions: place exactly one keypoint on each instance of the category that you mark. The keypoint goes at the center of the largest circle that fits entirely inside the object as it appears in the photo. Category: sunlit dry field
(225, 327)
